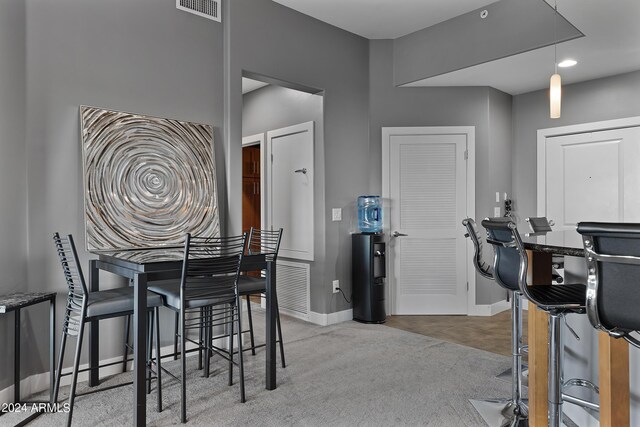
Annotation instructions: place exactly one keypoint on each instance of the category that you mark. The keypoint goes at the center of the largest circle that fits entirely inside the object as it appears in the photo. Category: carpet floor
(349, 374)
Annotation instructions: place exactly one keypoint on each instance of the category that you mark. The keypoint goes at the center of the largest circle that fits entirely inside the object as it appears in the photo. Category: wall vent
(209, 9)
(292, 284)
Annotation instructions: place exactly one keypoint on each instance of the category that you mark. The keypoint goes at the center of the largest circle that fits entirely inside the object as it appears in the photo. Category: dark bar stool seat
(612, 251)
(557, 300)
(514, 411)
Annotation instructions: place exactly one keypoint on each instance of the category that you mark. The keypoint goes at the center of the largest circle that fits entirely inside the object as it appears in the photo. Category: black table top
(567, 242)
(18, 300)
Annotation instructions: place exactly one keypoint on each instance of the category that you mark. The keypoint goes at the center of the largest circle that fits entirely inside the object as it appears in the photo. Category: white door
(426, 180)
(290, 188)
(593, 176)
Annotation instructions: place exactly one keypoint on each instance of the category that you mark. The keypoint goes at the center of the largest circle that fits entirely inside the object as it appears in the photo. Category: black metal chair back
(484, 269)
(77, 287)
(210, 274)
(510, 259)
(612, 251)
(265, 242)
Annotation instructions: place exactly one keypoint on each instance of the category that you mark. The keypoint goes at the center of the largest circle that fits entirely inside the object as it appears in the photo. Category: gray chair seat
(249, 285)
(170, 293)
(116, 301)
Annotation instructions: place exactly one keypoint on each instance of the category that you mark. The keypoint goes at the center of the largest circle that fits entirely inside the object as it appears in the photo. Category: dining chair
(84, 306)
(266, 242)
(207, 297)
(612, 251)
(513, 410)
(511, 264)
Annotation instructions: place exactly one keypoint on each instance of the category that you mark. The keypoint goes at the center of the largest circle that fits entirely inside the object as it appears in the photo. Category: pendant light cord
(555, 37)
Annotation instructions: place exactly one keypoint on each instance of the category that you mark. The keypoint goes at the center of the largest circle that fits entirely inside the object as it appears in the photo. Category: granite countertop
(17, 300)
(568, 243)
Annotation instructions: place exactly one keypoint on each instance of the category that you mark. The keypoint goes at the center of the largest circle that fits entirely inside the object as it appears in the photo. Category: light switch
(336, 214)
(497, 197)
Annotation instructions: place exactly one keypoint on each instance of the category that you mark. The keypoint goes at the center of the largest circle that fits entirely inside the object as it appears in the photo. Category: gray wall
(596, 100)
(141, 56)
(266, 38)
(13, 166)
(273, 107)
(487, 109)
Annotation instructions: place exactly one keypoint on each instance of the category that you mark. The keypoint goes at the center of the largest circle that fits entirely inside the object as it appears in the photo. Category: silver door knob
(396, 234)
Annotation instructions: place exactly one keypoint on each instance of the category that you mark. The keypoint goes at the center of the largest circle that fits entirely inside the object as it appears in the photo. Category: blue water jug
(370, 214)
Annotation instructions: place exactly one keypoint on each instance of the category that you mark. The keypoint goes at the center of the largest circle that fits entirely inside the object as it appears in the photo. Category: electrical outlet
(496, 211)
(336, 214)
(336, 286)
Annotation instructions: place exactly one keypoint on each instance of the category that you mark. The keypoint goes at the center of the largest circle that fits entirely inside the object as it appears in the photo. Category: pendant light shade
(555, 84)
(555, 96)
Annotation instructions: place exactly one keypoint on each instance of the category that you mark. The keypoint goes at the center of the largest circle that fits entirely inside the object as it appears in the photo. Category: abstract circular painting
(148, 181)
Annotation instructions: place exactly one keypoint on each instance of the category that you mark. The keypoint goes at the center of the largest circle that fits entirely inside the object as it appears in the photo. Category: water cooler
(368, 263)
(368, 273)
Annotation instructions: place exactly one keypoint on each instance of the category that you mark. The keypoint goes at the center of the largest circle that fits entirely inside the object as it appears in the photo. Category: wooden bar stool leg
(614, 381)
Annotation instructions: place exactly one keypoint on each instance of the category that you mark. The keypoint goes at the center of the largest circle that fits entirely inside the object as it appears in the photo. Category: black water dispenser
(367, 275)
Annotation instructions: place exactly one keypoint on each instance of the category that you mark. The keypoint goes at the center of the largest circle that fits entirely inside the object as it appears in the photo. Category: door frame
(543, 134)
(259, 139)
(469, 132)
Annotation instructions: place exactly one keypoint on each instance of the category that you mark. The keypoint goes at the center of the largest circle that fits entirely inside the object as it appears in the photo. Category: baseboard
(40, 382)
(488, 309)
(326, 319)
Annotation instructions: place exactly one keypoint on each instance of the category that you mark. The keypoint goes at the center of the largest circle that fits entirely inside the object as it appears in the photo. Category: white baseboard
(324, 319)
(39, 382)
(489, 309)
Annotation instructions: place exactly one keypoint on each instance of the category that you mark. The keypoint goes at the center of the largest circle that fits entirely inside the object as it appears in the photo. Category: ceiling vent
(209, 9)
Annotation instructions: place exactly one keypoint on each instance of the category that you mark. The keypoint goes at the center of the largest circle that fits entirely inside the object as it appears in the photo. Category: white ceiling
(249, 85)
(611, 44)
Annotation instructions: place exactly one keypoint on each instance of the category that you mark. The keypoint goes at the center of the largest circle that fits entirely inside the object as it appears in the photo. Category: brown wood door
(250, 188)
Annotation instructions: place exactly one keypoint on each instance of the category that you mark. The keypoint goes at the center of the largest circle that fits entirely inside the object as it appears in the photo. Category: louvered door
(427, 192)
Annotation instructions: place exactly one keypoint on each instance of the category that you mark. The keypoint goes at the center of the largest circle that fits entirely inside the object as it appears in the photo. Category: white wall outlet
(336, 214)
(496, 211)
(336, 286)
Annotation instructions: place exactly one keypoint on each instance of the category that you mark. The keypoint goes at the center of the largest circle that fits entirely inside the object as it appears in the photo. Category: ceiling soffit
(511, 27)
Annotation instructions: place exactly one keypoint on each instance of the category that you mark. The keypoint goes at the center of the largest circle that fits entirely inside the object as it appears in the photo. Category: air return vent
(206, 8)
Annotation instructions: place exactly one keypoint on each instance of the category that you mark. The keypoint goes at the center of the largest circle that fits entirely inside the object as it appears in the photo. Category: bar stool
(612, 251)
(514, 411)
(84, 306)
(557, 300)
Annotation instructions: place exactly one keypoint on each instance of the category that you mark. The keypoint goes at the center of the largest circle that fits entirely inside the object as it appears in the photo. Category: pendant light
(555, 83)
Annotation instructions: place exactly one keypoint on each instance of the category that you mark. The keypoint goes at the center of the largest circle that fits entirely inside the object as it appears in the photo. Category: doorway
(282, 128)
(429, 185)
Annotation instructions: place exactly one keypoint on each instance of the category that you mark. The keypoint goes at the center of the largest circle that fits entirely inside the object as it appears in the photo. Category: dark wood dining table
(143, 266)
(613, 354)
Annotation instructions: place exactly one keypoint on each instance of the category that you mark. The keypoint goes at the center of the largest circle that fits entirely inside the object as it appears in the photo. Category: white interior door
(426, 179)
(593, 176)
(290, 188)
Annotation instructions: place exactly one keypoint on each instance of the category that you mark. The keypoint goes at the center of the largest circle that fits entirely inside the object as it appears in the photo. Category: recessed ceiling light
(567, 63)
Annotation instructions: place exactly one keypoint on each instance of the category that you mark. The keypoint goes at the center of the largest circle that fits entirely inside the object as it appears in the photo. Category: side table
(15, 303)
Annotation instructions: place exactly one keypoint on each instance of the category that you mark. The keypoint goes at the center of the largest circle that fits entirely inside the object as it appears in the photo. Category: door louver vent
(209, 9)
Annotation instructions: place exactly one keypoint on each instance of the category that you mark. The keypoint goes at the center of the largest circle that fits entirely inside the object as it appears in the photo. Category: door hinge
(271, 157)
(467, 286)
(466, 154)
